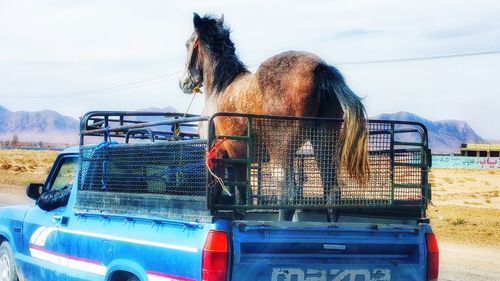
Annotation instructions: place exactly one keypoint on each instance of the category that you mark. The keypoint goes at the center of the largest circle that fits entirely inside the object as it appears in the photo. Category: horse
(292, 83)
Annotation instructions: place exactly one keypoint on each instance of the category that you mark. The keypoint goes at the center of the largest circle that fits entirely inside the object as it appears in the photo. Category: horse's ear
(196, 20)
(220, 21)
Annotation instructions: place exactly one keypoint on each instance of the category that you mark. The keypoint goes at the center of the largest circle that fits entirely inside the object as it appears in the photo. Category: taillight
(432, 257)
(214, 261)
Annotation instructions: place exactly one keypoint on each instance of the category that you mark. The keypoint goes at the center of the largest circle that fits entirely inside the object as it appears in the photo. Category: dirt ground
(465, 213)
(20, 167)
(466, 187)
(12, 195)
(465, 216)
(466, 205)
(468, 262)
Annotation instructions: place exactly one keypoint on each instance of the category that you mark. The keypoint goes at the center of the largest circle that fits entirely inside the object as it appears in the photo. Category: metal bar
(409, 143)
(121, 121)
(274, 117)
(396, 151)
(143, 131)
(259, 180)
(249, 162)
(211, 138)
(311, 207)
(400, 131)
(401, 164)
(401, 185)
(237, 183)
(93, 114)
(380, 132)
(169, 134)
(425, 181)
(232, 137)
(147, 124)
(158, 135)
(232, 161)
(97, 124)
(106, 128)
(391, 168)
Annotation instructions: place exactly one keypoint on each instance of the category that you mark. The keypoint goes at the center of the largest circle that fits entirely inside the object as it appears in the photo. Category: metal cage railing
(282, 163)
(291, 162)
(157, 168)
(139, 125)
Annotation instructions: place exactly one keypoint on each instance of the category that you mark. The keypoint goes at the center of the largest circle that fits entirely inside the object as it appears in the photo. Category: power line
(438, 57)
(158, 79)
(105, 90)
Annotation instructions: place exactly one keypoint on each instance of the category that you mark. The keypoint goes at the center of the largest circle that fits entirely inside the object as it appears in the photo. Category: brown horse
(288, 84)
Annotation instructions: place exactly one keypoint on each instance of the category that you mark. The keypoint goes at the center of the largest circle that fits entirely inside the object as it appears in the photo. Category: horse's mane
(214, 37)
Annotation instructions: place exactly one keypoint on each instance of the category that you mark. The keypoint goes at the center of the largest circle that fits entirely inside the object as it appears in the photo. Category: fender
(5, 234)
(128, 266)
(11, 220)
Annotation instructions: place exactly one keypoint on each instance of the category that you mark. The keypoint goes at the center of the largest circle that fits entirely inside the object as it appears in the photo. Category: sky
(77, 56)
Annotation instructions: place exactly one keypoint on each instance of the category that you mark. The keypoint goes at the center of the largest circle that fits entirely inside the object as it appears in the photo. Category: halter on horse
(288, 84)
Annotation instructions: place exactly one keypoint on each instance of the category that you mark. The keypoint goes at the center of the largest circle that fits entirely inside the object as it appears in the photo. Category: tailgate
(326, 252)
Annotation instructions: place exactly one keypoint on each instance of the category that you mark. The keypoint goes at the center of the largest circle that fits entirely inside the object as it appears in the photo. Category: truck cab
(146, 210)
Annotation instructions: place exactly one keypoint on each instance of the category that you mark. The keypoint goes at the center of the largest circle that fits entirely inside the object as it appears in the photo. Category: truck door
(40, 228)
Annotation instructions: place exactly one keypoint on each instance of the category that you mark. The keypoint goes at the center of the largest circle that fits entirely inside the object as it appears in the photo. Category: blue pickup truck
(146, 208)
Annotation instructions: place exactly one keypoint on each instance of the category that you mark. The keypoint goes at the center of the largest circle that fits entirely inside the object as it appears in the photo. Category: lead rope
(196, 90)
(210, 154)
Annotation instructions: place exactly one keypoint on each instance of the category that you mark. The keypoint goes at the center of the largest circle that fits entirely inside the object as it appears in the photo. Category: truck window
(65, 175)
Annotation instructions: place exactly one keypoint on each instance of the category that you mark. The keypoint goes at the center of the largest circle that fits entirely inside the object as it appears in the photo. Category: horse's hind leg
(287, 186)
(287, 191)
(240, 177)
(324, 140)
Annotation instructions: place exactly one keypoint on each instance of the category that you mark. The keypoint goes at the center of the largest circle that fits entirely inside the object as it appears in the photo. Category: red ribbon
(212, 153)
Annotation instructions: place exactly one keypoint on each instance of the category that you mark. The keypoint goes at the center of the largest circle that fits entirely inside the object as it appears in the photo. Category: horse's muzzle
(186, 86)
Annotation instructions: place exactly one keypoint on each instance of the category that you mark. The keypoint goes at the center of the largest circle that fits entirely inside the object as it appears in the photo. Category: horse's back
(286, 83)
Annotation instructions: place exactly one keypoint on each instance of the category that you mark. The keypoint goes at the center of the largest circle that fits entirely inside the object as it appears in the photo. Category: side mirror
(34, 190)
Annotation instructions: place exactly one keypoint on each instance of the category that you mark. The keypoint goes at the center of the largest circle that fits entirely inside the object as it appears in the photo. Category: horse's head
(197, 45)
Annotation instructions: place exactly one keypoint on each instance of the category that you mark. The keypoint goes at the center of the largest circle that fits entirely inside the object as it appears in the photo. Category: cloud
(353, 33)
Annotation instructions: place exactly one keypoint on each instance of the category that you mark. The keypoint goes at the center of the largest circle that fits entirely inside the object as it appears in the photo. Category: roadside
(462, 224)
(466, 219)
(13, 195)
(464, 262)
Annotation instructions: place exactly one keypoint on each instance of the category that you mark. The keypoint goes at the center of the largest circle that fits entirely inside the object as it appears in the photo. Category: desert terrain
(465, 211)
(466, 205)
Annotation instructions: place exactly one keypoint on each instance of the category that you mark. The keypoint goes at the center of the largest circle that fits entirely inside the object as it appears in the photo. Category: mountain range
(445, 136)
(47, 125)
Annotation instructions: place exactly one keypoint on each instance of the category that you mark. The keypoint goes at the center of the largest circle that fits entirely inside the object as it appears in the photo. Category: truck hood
(15, 212)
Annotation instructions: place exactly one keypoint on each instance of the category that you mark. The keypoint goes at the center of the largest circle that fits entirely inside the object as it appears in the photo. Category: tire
(7, 263)
(133, 278)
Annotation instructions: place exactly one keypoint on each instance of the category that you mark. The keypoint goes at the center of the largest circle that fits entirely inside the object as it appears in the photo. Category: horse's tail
(353, 147)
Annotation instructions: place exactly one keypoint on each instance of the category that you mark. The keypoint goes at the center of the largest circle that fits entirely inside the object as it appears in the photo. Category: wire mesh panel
(142, 178)
(256, 162)
(287, 162)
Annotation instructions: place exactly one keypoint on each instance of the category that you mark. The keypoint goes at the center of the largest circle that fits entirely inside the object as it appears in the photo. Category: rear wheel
(133, 278)
(7, 263)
